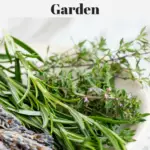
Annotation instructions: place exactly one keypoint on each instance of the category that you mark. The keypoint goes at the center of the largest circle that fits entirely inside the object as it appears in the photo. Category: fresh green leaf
(44, 116)
(17, 70)
(26, 47)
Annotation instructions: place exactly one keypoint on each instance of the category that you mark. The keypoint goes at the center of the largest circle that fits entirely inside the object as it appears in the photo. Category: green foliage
(73, 95)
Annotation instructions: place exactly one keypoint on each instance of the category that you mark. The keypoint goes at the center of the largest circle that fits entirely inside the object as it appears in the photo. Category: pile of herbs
(72, 96)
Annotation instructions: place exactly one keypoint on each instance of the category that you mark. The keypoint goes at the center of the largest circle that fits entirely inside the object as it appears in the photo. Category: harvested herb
(72, 96)
(15, 136)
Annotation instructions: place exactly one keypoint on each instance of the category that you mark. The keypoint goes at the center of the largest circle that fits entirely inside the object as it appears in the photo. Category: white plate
(143, 93)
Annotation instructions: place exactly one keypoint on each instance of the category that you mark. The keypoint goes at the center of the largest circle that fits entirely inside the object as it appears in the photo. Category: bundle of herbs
(72, 96)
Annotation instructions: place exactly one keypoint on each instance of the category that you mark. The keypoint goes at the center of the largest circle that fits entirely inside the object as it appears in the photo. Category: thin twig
(90, 65)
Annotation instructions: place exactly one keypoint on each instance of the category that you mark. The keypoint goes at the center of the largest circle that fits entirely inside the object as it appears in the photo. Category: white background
(117, 19)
